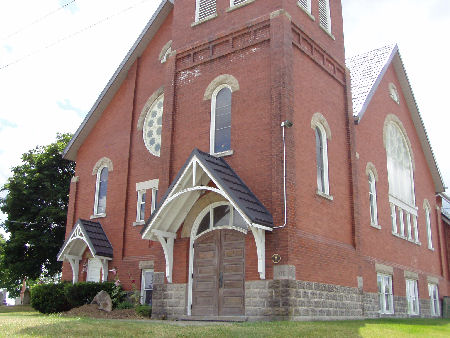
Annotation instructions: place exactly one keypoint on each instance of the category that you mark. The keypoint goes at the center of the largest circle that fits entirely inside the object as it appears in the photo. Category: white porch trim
(260, 240)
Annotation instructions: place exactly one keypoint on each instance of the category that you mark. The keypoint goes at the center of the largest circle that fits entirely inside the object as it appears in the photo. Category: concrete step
(238, 319)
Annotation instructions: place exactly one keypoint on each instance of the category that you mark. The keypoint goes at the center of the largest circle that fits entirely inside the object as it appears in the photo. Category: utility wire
(37, 21)
(69, 36)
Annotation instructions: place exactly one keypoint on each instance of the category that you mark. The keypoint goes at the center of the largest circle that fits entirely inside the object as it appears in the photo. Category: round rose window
(153, 126)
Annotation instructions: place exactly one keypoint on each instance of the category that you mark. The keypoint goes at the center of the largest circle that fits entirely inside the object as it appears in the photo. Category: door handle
(220, 279)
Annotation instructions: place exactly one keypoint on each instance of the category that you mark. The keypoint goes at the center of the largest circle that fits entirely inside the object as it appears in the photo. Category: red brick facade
(288, 68)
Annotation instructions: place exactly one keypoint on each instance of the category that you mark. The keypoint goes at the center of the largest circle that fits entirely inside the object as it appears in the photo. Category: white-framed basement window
(142, 199)
(427, 208)
(101, 187)
(373, 199)
(325, 15)
(412, 296)
(385, 293)
(220, 132)
(205, 9)
(147, 286)
(434, 299)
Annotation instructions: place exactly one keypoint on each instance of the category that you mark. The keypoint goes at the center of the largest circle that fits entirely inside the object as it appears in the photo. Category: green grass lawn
(23, 321)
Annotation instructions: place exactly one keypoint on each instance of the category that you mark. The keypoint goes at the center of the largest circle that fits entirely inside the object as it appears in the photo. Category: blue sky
(54, 61)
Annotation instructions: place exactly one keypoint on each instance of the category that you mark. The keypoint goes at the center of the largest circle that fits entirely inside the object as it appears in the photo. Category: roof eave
(374, 88)
(70, 152)
(418, 123)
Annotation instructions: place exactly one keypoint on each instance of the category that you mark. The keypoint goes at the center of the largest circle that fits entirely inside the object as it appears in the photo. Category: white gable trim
(150, 30)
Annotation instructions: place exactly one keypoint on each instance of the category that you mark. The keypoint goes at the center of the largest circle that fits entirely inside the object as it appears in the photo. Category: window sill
(98, 216)
(196, 23)
(138, 223)
(232, 8)
(223, 153)
(328, 33)
(323, 195)
(431, 249)
(376, 226)
(307, 13)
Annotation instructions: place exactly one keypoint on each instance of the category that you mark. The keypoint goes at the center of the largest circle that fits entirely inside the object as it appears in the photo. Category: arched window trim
(97, 192)
(212, 139)
(209, 209)
(318, 122)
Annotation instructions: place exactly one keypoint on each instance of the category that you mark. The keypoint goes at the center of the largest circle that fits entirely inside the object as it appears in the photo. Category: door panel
(204, 288)
(219, 272)
(231, 294)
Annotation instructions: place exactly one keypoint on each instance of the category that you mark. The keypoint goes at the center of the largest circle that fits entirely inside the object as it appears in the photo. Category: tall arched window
(220, 139)
(322, 133)
(399, 165)
(401, 182)
(100, 194)
(427, 208)
(373, 199)
(101, 171)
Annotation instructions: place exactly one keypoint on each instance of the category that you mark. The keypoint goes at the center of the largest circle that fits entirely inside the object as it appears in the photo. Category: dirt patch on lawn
(91, 310)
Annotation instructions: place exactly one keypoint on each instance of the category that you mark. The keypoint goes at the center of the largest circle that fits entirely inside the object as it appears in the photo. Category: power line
(37, 20)
(69, 36)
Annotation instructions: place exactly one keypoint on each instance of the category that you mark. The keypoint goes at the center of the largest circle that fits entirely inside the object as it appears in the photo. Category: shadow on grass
(16, 308)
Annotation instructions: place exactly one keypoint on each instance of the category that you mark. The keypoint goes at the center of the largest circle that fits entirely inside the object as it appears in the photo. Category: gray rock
(103, 300)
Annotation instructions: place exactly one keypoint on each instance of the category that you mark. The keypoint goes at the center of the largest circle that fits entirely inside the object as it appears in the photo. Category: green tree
(36, 202)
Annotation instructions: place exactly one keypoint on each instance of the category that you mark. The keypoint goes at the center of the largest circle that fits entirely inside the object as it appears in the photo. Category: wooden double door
(219, 274)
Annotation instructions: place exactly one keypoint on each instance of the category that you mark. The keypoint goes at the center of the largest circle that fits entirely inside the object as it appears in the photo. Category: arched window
(322, 133)
(373, 199)
(219, 214)
(100, 191)
(427, 208)
(399, 165)
(220, 139)
(400, 177)
(101, 171)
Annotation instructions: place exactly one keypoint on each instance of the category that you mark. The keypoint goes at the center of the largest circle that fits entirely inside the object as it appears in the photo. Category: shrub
(82, 293)
(49, 298)
(144, 310)
(125, 305)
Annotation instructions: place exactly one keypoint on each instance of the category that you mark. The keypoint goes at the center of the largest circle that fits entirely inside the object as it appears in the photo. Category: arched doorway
(218, 270)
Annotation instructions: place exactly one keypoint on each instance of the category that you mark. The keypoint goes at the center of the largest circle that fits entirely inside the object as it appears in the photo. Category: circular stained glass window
(153, 126)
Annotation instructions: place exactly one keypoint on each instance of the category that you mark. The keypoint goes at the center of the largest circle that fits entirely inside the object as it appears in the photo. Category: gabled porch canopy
(86, 234)
(205, 173)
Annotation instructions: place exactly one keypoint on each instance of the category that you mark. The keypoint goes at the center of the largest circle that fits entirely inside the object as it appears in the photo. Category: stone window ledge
(328, 33)
(98, 216)
(223, 153)
(199, 22)
(323, 195)
(138, 223)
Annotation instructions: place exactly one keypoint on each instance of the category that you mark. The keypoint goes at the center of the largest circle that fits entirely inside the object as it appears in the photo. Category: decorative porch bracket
(260, 239)
(167, 239)
(75, 264)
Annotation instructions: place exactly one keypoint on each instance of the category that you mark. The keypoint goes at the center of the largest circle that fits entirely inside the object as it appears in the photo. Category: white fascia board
(150, 30)
(418, 123)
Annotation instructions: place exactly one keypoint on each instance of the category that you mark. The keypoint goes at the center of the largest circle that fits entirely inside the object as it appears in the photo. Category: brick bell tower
(288, 59)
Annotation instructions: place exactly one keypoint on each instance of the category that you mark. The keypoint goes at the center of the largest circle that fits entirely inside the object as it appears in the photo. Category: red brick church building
(236, 165)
